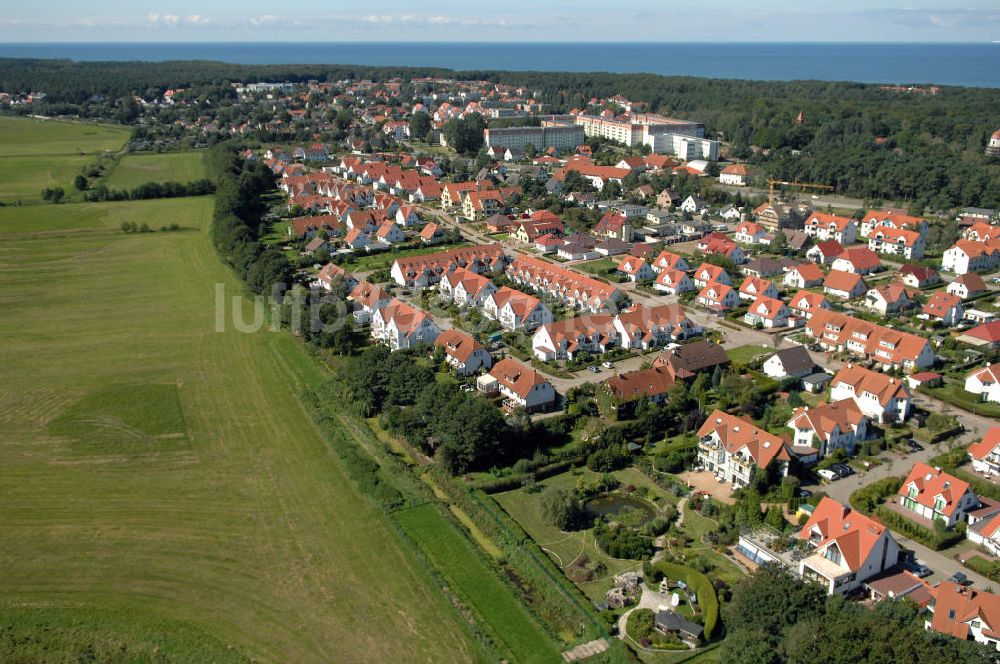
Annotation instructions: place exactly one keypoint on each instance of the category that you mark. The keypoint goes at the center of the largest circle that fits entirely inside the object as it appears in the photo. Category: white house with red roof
(465, 288)
(642, 327)
(400, 326)
(965, 613)
(667, 260)
(734, 449)
(888, 298)
(971, 256)
(848, 548)
(736, 175)
(515, 310)
(748, 232)
(708, 274)
(857, 260)
(944, 307)
(880, 397)
(466, 355)
(805, 303)
(824, 253)
(806, 275)
(562, 339)
(822, 227)
(523, 387)
(897, 242)
(768, 312)
(718, 297)
(827, 427)
(754, 287)
(986, 533)
(984, 382)
(389, 233)
(985, 455)
(966, 285)
(635, 269)
(937, 495)
(673, 282)
(844, 285)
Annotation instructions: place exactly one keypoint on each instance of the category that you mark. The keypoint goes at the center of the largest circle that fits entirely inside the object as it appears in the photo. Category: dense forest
(866, 141)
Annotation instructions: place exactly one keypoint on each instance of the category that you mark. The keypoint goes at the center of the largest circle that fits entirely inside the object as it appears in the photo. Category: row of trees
(151, 190)
(236, 224)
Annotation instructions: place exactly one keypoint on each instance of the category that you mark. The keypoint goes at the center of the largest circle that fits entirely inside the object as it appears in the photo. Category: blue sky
(510, 20)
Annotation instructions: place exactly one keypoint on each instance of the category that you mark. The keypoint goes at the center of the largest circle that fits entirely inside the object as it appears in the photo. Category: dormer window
(832, 554)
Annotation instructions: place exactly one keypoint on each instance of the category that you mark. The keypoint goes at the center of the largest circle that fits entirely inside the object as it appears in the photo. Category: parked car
(828, 474)
(593, 369)
(914, 446)
(606, 364)
(920, 570)
(842, 469)
(960, 578)
(804, 493)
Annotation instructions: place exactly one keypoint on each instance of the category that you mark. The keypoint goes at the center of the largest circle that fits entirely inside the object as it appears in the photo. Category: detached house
(754, 287)
(523, 387)
(748, 232)
(462, 352)
(965, 614)
(400, 326)
(844, 285)
(708, 274)
(985, 455)
(736, 175)
(804, 304)
(944, 308)
(936, 495)
(635, 269)
(967, 285)
(793, 362)
(848, 548)
(888, 299)
(667, 260)
(767, 312)
(718, 297)
(806, 275)
(882, 398)
(824, 253)
(857, 260)
(827, 427)
(673, 282)
(653, 383)
(367, 298)
(918, 276)
(986, 533)
(735, 449)
(897, 242)
(985, 383)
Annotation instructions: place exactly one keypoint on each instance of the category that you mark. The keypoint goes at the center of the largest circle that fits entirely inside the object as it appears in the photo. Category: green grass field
(28, 136)
(509, 624)
(136, 169)
(746, 354)
(157, 469)
(38, 154)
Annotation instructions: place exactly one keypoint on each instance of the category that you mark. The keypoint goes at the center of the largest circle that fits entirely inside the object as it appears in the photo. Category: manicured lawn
(157, 469)
(509, 624)
(365, 262)
(604, 267)
(136, 169)
(746, 354)
(28, 136)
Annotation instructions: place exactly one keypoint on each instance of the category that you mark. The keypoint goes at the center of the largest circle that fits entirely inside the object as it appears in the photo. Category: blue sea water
(894, 63)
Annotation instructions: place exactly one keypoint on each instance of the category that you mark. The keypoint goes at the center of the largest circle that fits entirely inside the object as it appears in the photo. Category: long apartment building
(577, 289)
(559, 137)
(888, 347)
(427, 270)
(682, 138)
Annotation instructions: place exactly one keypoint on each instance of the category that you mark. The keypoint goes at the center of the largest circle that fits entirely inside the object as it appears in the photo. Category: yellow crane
(804, 185)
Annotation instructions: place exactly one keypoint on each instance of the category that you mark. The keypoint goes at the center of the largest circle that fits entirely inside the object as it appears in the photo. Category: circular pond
(629, 510)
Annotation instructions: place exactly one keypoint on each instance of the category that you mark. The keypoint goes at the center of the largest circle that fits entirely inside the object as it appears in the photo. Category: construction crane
(804, 185)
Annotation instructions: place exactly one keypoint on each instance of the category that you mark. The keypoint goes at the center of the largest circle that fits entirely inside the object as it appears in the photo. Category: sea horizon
(892, 63)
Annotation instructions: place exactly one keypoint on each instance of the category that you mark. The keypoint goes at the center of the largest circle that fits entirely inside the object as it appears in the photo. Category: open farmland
(38, 154)
(137, 169)
(154, 467)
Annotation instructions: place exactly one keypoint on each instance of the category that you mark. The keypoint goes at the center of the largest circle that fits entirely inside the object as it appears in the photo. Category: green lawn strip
(23, 178)
(510, 625)
(746, 354)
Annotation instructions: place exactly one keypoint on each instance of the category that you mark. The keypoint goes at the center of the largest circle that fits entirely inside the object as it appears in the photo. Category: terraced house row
(888, 347)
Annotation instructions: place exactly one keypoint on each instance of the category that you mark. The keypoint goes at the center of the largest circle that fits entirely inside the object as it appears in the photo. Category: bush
(622, 542)
(867, 499)
(702, 588)
(937, 539)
